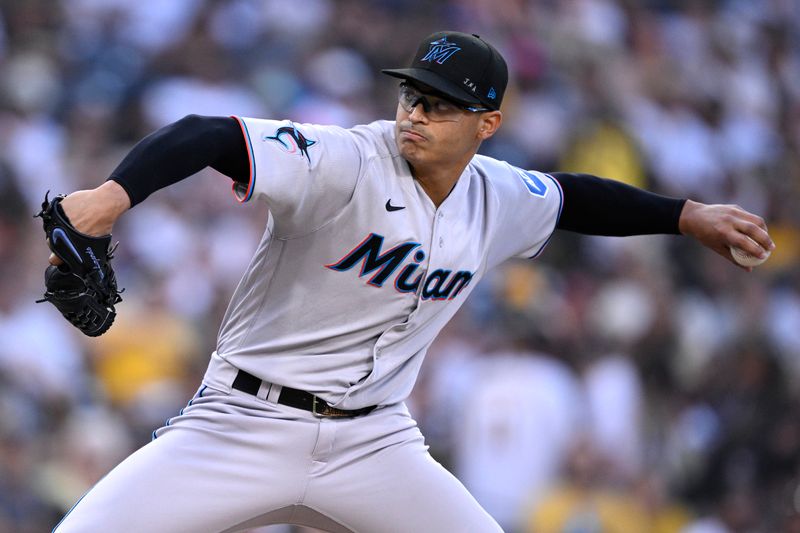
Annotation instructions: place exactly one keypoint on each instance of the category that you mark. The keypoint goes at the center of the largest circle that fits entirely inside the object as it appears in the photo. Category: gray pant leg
(217, 465)
(384, 481)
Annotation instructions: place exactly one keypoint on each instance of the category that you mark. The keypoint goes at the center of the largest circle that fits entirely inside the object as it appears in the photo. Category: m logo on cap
(440, 51)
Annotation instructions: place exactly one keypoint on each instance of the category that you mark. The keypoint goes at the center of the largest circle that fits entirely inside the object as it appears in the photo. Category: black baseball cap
(461, 66)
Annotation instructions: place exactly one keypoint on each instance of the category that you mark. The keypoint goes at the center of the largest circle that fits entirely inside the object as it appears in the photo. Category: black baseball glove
(83, 288)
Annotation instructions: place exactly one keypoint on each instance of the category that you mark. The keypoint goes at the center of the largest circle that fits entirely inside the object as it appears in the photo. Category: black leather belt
(298, 399)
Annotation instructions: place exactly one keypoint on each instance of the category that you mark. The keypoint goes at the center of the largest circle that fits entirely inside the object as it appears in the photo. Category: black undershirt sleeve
(181, 149)
(598, 206)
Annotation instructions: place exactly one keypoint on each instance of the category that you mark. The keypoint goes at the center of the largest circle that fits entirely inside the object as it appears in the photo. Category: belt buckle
(320, 412)
(326, 411)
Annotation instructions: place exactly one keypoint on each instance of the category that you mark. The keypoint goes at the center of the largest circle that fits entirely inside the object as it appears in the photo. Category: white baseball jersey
(355, 275)
(358, 270)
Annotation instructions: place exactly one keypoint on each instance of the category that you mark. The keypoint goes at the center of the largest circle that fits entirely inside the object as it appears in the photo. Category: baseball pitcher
(376, 235)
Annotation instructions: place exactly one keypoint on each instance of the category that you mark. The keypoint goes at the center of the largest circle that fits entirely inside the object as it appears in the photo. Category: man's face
(436, 131)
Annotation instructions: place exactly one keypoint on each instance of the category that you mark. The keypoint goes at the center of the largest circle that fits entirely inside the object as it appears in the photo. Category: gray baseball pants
(231, 461)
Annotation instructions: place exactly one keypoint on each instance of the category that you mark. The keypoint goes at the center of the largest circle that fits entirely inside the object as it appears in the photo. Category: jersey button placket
(439, 219)
(437, 243)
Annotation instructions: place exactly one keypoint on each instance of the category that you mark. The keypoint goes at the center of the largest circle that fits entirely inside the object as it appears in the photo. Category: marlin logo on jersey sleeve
(292, 141)
(440, 51)
(440, 284)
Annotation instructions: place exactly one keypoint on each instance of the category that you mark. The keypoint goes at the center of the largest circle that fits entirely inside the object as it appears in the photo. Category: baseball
(745, 259)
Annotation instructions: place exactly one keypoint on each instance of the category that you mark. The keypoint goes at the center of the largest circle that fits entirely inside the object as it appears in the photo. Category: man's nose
(418, 112)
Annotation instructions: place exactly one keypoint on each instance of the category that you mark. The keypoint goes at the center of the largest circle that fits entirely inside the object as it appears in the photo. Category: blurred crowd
(613, 385)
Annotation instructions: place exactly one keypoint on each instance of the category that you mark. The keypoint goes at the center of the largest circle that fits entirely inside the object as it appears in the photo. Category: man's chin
(409, 152)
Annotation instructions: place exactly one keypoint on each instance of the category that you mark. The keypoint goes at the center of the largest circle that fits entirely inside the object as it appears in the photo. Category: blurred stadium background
(614, 385)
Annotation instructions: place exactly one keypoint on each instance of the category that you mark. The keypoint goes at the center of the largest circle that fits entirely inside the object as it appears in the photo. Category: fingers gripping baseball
(723, 227)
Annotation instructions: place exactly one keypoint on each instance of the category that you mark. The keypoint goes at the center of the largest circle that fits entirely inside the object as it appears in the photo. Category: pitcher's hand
(94, 211)
(721, 226)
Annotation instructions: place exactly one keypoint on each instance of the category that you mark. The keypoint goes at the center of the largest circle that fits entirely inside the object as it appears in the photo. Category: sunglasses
(437, 109)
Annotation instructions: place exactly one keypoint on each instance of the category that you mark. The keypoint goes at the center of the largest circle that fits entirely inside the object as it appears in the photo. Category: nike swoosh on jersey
(390, 207)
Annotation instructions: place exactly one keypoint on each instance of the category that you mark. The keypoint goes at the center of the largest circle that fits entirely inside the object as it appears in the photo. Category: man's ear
(489, 124)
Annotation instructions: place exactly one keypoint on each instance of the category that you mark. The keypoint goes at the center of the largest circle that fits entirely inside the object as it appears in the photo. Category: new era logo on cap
(460, 66)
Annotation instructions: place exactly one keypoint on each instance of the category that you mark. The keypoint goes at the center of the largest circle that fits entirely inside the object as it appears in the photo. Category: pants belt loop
(263, 390)
(273, 392)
